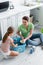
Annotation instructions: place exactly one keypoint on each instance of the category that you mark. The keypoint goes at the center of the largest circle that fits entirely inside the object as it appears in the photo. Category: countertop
(18, 9)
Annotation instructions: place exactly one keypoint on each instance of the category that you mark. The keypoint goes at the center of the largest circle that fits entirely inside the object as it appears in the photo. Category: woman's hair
(26, 18)
(9, 31)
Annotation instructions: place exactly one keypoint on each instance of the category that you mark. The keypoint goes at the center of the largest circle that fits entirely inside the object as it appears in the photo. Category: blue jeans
(31, 41)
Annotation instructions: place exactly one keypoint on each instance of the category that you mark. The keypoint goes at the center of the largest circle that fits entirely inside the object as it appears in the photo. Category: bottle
(31, 50)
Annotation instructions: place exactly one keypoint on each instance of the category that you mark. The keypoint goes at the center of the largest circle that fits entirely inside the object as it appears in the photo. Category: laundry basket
(21, 47)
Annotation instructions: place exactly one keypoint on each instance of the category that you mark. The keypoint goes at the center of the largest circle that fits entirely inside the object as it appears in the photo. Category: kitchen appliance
(4, 6)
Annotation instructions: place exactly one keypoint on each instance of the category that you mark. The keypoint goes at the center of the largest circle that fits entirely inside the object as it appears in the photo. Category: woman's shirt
(6, 46)
(25, 32)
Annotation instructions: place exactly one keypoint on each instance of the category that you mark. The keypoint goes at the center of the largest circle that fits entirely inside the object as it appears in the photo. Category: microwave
(4, 6)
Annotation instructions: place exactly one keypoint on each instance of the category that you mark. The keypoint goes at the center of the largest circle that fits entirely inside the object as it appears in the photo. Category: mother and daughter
(25, 31)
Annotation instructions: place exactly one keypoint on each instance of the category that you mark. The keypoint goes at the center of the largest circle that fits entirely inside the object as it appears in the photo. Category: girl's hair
(9, 31)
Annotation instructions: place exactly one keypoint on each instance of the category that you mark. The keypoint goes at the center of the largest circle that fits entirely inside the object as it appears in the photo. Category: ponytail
(9, 31)
(5, 37)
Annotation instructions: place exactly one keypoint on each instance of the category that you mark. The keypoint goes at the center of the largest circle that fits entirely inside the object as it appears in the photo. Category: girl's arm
(12, 44)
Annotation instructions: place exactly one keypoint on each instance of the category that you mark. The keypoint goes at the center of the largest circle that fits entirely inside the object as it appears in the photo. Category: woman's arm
(29, 35)
(18, 32)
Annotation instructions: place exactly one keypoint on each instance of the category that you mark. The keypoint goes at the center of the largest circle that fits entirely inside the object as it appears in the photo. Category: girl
(7, 41)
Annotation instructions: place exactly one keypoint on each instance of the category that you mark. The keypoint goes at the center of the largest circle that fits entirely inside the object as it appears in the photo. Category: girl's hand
(16, 45)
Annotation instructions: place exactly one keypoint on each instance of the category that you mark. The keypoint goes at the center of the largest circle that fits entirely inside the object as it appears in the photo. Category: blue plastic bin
(21, 47)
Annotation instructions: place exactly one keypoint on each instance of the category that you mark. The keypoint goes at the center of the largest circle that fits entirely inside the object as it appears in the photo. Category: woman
(26, 29)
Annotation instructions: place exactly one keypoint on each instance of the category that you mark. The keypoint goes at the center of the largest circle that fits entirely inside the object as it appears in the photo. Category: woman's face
(24, 22)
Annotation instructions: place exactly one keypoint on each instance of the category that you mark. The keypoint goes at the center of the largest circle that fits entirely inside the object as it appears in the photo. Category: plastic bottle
(31, 50)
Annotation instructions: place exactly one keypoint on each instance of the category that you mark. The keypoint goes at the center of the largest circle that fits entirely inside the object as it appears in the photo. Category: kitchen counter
(10, 12)
(18, 9)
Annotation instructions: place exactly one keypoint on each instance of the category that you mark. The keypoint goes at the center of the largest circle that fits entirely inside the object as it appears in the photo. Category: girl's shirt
(6, 46)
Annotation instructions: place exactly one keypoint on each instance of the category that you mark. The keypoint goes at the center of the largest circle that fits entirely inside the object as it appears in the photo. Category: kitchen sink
(29, 5)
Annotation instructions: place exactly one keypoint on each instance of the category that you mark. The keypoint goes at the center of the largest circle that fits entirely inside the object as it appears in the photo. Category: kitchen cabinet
(3, 26)
(9, 23)
(14, 22)
(5, 23)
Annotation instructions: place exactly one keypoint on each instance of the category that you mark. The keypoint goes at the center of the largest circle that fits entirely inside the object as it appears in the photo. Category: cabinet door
(9, 22)
(19, 18)
(3, 26)
(14, 22)
(20, 15)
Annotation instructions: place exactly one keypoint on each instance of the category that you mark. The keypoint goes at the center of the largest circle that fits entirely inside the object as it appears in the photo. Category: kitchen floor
(26, 59)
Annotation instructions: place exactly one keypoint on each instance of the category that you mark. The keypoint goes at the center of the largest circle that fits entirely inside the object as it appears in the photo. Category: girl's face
(11, 34)
(25, 22)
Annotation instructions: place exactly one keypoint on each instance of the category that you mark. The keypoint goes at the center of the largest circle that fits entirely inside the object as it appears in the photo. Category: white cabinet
(3, 26)
(19, 19)
(9, 22)
(5, 23)
(20, 15)
(14, 22)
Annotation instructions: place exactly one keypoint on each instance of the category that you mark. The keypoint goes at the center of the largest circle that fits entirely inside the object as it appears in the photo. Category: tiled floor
(25, 59)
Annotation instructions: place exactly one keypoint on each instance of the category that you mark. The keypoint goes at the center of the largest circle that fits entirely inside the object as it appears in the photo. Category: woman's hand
(22, 37)
(24, 40)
